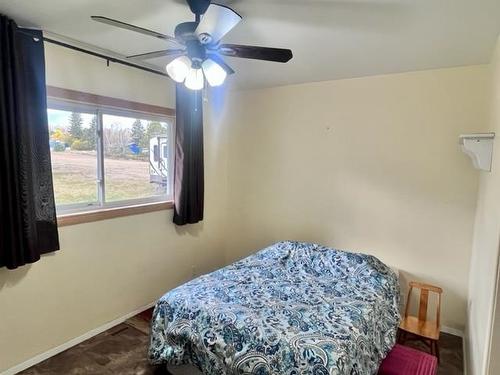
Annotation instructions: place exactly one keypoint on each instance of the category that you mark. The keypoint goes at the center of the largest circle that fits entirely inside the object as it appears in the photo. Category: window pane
(73, 152)
(133, 165)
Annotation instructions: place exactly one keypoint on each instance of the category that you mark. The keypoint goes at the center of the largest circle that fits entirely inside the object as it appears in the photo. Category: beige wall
(483, 274)
(369, 164)
(109, 268)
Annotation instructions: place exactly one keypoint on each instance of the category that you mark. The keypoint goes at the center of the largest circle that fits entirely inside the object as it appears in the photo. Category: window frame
(90, 210)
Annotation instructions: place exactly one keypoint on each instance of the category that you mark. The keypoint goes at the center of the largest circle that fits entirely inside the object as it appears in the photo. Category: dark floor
(122, 350)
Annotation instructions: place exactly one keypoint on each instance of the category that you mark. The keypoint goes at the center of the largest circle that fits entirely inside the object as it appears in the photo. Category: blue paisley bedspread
(292, 308)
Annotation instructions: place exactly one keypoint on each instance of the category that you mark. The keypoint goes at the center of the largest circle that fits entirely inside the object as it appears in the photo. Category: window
(103, 157)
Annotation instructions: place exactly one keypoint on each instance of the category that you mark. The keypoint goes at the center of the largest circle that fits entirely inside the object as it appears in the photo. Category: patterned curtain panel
(28, 225)
(189, 177)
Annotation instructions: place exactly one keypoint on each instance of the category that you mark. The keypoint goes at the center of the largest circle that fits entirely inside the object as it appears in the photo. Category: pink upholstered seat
(402, 360)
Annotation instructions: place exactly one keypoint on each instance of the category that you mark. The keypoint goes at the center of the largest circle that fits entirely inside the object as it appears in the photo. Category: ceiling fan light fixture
(199, 55)
(179, 68)
(194, 79)
(214, 73)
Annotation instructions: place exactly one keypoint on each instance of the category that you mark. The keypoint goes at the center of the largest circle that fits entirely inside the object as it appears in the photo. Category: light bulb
(214, 73)
(178, 69)
(194, 79)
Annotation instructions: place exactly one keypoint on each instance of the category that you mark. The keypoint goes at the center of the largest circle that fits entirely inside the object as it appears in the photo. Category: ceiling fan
(198, 48)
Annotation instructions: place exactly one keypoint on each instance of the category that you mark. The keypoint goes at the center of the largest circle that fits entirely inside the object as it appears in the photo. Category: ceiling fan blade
(217, 21)
(255, 52)
(137, 29)
(152, 55)
(221, 62)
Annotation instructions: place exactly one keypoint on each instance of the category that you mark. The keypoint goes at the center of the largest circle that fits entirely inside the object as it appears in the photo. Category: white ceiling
(330, 39)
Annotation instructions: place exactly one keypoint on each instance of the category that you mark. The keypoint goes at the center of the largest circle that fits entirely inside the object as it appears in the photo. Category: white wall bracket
(479, 146)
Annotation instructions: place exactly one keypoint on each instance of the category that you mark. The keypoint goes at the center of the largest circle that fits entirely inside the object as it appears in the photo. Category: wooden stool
(419, 326)
(402, 360)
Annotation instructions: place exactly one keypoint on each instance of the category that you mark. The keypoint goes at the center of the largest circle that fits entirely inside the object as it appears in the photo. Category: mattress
(292, 308)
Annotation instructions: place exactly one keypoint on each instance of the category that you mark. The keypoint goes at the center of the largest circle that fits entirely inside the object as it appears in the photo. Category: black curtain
(28, 224)
(188, 176)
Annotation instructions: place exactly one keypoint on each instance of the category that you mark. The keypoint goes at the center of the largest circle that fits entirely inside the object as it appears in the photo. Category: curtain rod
(105, 57)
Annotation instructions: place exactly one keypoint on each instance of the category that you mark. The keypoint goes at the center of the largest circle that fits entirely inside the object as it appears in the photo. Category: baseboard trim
(452, 331)
(77, 340)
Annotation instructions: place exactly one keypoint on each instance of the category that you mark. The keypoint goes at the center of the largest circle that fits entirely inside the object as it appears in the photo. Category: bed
(291, 309)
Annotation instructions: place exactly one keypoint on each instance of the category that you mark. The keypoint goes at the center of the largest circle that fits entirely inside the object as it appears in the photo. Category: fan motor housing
(185, 31)
(196, 51)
